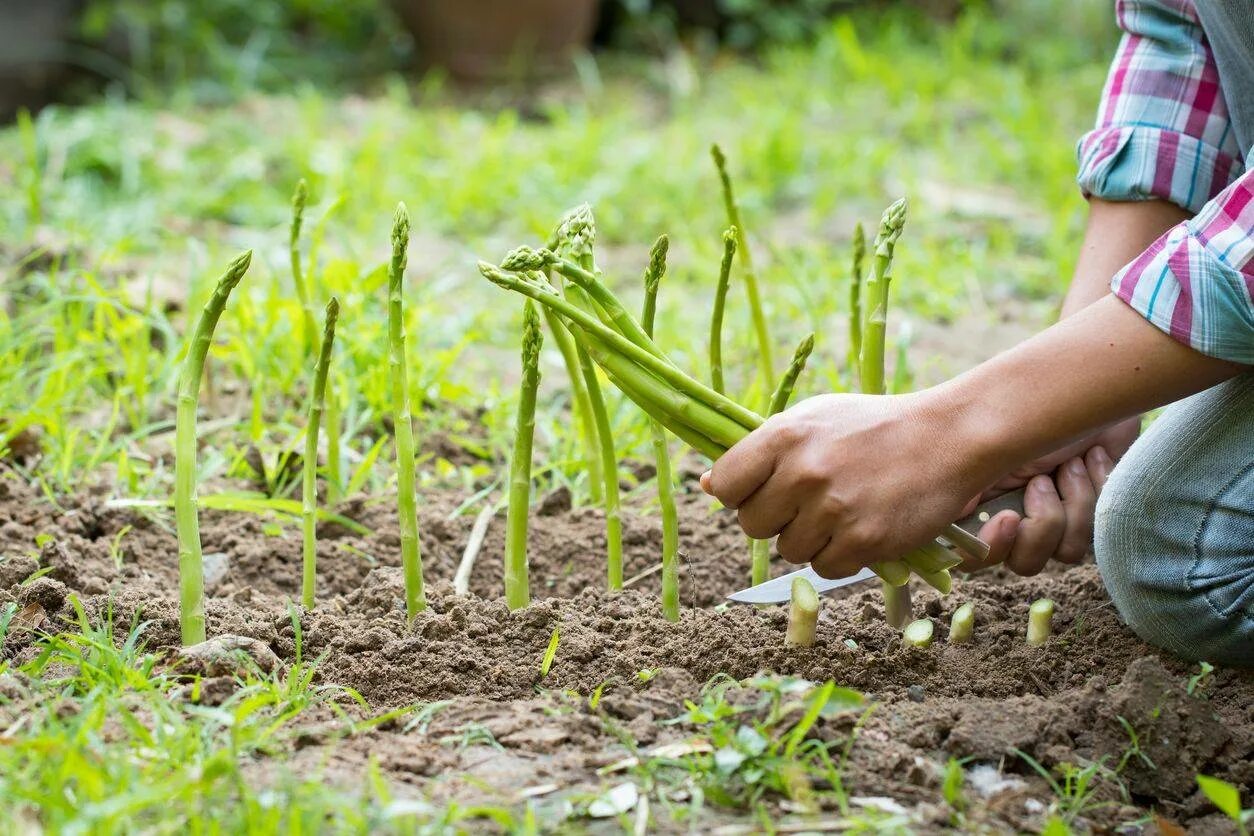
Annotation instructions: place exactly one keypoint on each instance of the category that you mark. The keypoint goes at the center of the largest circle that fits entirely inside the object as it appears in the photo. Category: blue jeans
(1174, 532)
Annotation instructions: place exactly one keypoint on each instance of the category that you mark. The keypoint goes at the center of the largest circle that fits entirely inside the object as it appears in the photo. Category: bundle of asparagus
(697, 414)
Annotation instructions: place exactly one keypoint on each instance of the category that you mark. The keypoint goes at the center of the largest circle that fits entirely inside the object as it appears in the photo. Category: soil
(498, 731)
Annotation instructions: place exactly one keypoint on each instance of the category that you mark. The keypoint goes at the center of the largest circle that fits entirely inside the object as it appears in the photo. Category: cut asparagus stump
(961, 624)
(918, 633)
(803, 613)
(1040, 618)
(517, 589)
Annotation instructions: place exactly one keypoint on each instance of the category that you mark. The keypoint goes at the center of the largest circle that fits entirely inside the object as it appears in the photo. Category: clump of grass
(517, 589)
(661, 454)
(309, 488)
(406, 501)
(186, 510)
(1040, 621)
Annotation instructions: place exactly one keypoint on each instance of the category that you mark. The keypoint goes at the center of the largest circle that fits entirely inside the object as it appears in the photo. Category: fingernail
(1102, 457)
(1076, 467)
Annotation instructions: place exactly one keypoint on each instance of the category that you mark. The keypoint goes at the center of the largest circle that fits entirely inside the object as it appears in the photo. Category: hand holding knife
(961, 534)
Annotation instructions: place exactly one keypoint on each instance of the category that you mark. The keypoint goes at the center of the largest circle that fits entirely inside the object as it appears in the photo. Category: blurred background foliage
(220, 49)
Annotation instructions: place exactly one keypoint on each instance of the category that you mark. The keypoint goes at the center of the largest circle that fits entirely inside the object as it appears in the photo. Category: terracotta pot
(480, 40)
(34, 41)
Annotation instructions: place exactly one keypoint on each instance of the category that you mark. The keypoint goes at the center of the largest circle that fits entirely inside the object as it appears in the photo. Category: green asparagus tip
(720, 159)
(333, 310)
(729, 241)
(657, 263)
(400, 227)
(578, 229)
(237, 268)
(804, 349)
(891, 224)
(300, 196)
(533, 337)
(525, 258)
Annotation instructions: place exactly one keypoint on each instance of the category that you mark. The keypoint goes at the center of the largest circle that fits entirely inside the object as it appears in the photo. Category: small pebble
(915, 693)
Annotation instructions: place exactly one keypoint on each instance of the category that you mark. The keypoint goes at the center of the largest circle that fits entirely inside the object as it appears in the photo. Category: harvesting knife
(778, 590)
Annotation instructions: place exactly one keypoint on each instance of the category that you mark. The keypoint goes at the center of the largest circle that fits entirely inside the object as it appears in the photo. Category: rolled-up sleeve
(1196, 282)
(1162, 127)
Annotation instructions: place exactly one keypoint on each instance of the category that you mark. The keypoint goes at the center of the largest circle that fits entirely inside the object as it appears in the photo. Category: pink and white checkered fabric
(1163, 132)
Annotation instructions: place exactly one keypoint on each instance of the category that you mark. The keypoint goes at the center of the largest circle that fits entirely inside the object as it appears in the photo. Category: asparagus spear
(875, 305)
(581, 405)
(661, 455)
(299, 198)
(620, 345)
(577, 232)
(961, 624)
(407, 508)
(186, 510)
(716, 315)
(855, 298)
(517, 590)
(309, 492)
(897, 605)
(803, 613)
(765, 363)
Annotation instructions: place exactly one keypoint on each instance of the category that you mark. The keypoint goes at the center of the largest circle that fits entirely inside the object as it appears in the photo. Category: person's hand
(1058, 503)
(846, 480)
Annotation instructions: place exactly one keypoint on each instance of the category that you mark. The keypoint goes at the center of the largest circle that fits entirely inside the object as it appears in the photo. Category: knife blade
(961, 533)
(779, 589)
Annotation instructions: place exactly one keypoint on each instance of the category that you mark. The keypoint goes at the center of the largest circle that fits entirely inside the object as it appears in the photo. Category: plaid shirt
(1163, 132)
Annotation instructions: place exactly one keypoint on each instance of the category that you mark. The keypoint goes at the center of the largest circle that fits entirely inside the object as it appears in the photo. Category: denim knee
(1174, 531)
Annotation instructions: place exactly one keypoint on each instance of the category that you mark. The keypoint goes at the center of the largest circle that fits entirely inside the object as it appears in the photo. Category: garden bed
(499, 732)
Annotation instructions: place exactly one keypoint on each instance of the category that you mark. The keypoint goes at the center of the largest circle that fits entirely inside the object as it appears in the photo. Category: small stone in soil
(916, 693)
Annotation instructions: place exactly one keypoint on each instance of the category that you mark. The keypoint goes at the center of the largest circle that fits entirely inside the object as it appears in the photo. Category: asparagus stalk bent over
(186, 510)
(406, 501)
(309, 488)
(697, 414)
(517, 589)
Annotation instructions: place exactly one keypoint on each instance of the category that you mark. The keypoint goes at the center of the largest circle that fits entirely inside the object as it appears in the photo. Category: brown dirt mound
(983, 701)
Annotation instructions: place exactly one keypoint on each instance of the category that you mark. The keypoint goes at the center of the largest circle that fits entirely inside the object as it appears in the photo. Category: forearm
(1115, 234)
(1098, 366)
